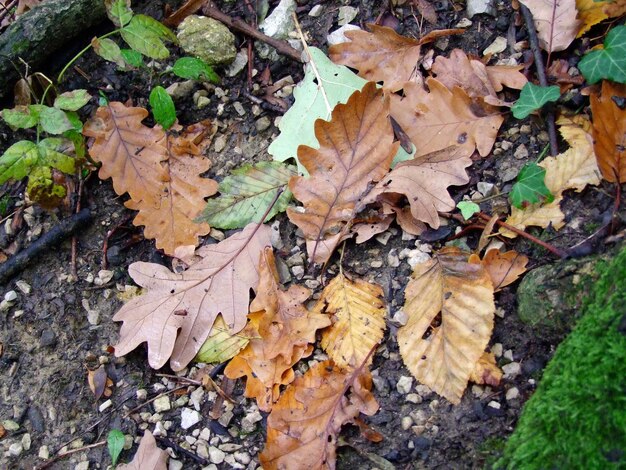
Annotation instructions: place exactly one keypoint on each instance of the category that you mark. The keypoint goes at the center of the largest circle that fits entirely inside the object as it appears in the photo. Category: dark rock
(495, 412)
(114, 256)
(47, 339)
(36, 419)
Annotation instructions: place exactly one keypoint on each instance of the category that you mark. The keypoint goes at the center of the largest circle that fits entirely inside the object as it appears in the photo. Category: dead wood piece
(41, 32)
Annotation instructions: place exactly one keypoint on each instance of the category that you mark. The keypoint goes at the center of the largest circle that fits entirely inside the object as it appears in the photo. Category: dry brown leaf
(460, 295)
(555, 21)
(99, 382)
(366, 230)
(286, 330)
(175, 313)
(302, 428)
(148, 456)
(424, 181)
(615, 9)
(440, 118)
(382, 55)
(573, 169)
(486, 371)
(609, 131)
(358, 320)
(182, 196)
(356, 150)
(503, 268)
(130, 152)
(477, 79)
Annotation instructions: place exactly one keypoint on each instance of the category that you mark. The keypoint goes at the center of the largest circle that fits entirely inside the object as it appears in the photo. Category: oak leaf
(573, 169)
(303, 426)
(286, 331)
(440, 118)
(148, 456)
(555, 21)
(487, 371)
(424, 181)
(461, 295)
(176, 312)
(503, 268)
(382, 55)
(609, 131)
(356, 150)
(182, 196)
(358, 320)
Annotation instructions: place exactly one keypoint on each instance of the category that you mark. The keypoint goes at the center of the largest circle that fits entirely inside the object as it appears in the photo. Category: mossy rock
(550, 297)
(577, 417)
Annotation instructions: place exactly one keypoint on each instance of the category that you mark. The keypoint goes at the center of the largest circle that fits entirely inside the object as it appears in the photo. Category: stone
(338, 36)
(44, 453)
(240, 62)
(521, 152)
(413, 398)
(189, 418)
(202, 102)
(175, 465)
(47, 338)
(511, 370)
(205, 434)
(202, 449)
(406, 423)
(346, 15)
(480, 7)
(464, 23)
(207, 39)
(248, 423)
(242, 457)
(84, 465)
(497, 46)
(316, 11)
(10, 296)
(23, 286)
(216, 455)
(196, 398)
(162, 404)
(277, 25)
(512, 394)
(16, 449)
(141, 394)
(496, 349)
(486, 189)
(159, 429)
(263, 123)
(404, 384)
(10, 425)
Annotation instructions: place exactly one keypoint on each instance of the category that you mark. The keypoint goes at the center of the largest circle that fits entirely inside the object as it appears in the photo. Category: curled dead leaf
(487, 371)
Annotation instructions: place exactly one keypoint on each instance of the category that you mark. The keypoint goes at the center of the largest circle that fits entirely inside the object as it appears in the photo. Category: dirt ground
(59, 328)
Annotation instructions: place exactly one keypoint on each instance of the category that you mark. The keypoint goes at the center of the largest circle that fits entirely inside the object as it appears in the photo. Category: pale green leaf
(132, 58)
(108, 50)
(247, 193)
(532, 98)
(50, 155)
(119, 11)
(163, 108)
(468, 209)
(194, 69)
(18, 160)
(54, 121)
(20, 117)
(221, 345)
(608, 63)
(145, 35)
(72, 100)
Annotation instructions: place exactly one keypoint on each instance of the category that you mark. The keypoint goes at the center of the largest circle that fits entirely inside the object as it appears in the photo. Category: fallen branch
(44, 243)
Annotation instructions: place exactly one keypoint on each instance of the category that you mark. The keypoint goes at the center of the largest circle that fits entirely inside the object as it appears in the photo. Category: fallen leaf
(304, 424)
(221, 346)
(486, 371)
(182, 196)
(148, 456)
(286, 332)
(590, 13)
(555, 21)
(443, 355)
(440, 118)
(534, 97)
(503, 268)
(380, 56)
(608, 63)
(609, 131)
(424, 181)
(175, 313)
(358, 320)
(615, 9)
(97, 380)
(356, 150)
(247, 192)
(530, 187)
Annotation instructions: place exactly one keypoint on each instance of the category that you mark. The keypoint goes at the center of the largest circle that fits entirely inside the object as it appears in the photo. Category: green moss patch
(577, 416)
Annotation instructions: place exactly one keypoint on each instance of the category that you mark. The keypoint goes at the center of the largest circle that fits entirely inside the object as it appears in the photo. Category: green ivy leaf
(54, 121)
(608, 63)
(532, 98)
(145, 35)
(468, 209)
(163, 107)
(108, 50)
(530, 187)
(20, 117)
(119, 11)
(132, 58)
(72, 100)
(247, 193)
(194, 69)
(115, 444)
(18, 160)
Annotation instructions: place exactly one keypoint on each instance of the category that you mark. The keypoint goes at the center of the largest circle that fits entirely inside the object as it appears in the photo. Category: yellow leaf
(487, 371)
(590, 13)
(358, 322)
(450, 307)
(221, 345)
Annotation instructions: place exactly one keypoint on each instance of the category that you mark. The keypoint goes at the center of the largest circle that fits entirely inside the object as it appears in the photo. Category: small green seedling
(163, 108)
(468, 209)
(192, 68)
(115, 444)
(530, 187)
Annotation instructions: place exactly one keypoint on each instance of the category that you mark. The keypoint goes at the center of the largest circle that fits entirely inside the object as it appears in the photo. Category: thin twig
(541, 74)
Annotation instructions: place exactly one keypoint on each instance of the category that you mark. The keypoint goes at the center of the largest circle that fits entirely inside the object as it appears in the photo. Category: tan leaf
(615, 9)
(424, 181)
(555, 21)
(356, 149)
(148, 456)
(97, 380)
(609, 131)
(366, 230)
(461, 295)
(181, 197)
(175, 313)
(474, 77)
(382, 55)
(503, 268)
(440, 118)
(536, 215)
(358, 320)
(303, 426)
(130, 152)
(590, 13)
(286, 330)
(486, 371)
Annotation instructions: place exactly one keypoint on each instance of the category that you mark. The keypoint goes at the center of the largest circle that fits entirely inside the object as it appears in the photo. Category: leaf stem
(77, 56)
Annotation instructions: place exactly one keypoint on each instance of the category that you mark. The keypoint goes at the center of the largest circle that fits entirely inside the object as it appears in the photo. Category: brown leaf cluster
(161, 173)
(286, 333)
